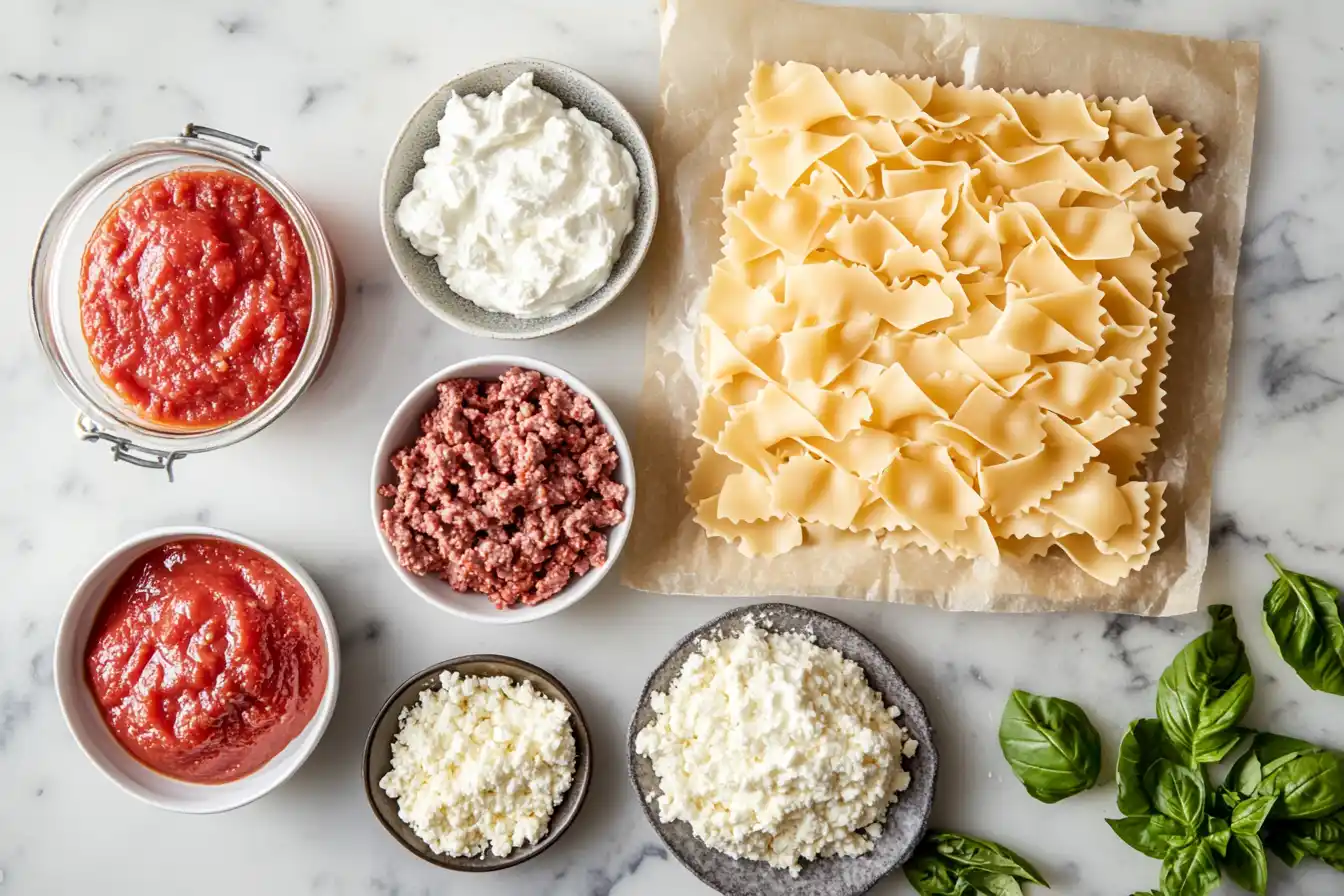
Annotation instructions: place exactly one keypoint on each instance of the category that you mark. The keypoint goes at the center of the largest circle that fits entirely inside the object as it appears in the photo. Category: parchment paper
(708, 49)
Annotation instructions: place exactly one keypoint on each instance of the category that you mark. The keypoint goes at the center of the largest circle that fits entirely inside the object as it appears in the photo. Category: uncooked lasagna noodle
(940, 320)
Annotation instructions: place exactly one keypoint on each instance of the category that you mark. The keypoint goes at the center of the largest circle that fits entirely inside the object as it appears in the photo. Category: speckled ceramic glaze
(378, 758)
(906, 822)
(421, 274)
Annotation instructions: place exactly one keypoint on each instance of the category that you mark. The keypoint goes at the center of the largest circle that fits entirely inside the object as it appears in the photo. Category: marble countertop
(327, 83)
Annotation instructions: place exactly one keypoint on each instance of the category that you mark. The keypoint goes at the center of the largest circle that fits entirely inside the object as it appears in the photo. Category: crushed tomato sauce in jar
(195, 297)
(206, 659)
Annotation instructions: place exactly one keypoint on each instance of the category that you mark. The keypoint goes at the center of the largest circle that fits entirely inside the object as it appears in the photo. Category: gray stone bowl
(421, 274)
(378, 758)
(906, 821)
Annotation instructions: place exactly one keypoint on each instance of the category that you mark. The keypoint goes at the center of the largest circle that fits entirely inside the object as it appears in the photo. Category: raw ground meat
(506, 489)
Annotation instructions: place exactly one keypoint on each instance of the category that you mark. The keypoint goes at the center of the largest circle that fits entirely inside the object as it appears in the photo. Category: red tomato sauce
(207, 659)
(195, 297)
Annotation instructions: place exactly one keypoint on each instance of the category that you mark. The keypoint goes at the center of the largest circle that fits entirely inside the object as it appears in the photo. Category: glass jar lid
(103, 415)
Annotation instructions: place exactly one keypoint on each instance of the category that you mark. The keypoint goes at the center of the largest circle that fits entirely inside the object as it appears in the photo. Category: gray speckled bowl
(906, 821)
(420, 273)
(378, 758)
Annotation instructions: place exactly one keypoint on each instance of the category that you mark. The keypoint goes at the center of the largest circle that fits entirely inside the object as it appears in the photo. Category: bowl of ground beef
(502, 489)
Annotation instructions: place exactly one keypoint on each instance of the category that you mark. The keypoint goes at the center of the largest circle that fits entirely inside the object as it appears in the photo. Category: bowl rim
(768, 610)
(583, 774)
(68, 688)
(616, 535)
(640, 248)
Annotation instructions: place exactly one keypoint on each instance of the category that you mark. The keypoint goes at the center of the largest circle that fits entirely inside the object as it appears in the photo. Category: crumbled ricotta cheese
(772, 748)
(480, 763)
(524, 203)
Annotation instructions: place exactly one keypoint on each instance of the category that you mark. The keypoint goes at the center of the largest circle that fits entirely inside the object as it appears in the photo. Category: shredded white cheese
(772, 748)
(480, 763)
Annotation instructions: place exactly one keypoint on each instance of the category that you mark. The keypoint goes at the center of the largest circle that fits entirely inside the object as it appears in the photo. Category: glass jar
(103, 416)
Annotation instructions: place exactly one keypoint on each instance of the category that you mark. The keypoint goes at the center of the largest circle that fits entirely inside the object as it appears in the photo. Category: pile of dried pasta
(940, 319)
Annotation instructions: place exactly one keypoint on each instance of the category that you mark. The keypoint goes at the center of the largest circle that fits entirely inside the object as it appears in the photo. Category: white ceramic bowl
(404, 428)
(85, 720)
(421, 274)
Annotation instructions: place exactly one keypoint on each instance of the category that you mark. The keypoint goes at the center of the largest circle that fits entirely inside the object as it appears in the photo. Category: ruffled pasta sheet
(940, 319)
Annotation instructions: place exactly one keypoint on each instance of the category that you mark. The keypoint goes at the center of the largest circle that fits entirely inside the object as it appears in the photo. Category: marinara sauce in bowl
(184, 296)
(196, 668)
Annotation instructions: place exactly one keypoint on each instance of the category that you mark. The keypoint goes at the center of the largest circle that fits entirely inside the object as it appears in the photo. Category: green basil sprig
(1306, 781)
(1281, 795)
(1307, 786)
(1178, 829)
(1267, 754)
(1143, 745)
(951, 864)
(1245, 862)
(1316, 838)
(1249, 816)
(1301, 616)
(1178, 792)
(1190, 870)
(1205, 692)
(1153, 835)
(1242, 852)
(1171, 812)
(1050, 745)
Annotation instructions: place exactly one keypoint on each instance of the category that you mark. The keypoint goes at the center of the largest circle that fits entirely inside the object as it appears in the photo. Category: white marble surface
(327, 84)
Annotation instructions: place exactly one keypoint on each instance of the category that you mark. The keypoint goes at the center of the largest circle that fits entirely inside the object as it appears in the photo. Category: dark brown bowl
(378, 758)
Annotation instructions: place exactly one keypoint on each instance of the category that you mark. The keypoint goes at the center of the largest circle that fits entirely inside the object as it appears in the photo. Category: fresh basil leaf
(1249, 816)
(1268, 753)
(1153, 835)
(1308, 786)
(1245, 863)
(931, 875)
(1301, 616)
(1218, 834)
(973, 852)
(1190, 871)
(1143, 744)
(990, 883)
(1277, 843)
(1178, 792)
(1050, 745)
(1318, 838)
(1206, 690)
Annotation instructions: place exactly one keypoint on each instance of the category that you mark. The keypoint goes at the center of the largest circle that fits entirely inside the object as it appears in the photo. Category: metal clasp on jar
(197, 131)
(124, 449)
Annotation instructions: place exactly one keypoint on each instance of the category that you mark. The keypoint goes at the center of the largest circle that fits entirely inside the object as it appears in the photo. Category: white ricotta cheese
(480, 763)
(774, 749)
(524, 203)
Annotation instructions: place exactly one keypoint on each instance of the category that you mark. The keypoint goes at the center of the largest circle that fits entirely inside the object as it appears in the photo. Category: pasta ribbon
(941, 319)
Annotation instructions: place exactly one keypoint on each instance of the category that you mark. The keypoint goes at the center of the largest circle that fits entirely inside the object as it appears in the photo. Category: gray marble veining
(327, 85)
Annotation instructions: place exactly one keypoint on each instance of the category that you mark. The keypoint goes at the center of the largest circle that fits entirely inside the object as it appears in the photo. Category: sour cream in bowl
(519, 200)
(524, 204)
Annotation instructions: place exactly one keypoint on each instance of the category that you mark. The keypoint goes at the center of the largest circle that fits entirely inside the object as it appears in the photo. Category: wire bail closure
(200, 131)
(123, 449)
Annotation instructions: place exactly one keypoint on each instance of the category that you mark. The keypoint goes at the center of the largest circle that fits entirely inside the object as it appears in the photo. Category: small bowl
(836, 876)
(421, 274)
(85, 720)
(404, 428)
(378, 759)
